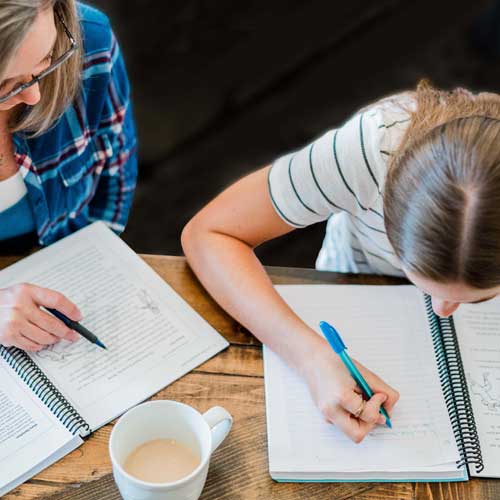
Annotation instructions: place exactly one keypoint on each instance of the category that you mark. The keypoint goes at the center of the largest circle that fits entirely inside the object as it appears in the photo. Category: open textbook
(51, 399)
(446, 425)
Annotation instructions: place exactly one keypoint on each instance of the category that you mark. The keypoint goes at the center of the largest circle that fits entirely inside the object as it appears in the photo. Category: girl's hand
(339, 398)
(23, 324)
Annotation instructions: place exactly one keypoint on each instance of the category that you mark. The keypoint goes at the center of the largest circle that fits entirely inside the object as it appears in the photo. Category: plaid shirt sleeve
(113, 197)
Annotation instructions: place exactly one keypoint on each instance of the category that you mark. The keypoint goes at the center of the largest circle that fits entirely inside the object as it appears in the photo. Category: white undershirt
(12, 190)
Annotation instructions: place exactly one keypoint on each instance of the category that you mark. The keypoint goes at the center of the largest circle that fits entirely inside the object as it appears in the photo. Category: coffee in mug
(161, 461)
(145, 429)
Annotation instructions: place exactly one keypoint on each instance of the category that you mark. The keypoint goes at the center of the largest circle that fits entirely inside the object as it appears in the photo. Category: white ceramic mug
(167, 420)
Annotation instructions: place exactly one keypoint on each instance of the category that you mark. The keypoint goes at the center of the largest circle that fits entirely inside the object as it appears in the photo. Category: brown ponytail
(442, 191)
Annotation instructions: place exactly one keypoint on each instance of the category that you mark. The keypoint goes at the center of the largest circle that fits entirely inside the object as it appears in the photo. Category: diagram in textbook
(64, 351)
(485, 392)
(147, 302)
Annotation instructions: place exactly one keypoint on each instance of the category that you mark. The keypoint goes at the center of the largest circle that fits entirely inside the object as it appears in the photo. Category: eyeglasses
(58, 62)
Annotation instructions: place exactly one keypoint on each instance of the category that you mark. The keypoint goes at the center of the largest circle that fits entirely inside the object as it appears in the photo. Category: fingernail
(384, 398)
(381, 420)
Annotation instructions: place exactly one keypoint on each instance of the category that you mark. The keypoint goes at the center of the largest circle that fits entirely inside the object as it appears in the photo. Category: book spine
(454, 385)
(31, 374)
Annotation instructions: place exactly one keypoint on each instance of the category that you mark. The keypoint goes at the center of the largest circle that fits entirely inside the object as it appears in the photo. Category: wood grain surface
(233, 379)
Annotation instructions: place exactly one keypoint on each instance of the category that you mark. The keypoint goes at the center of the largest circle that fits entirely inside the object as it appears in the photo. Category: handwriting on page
(388, 333)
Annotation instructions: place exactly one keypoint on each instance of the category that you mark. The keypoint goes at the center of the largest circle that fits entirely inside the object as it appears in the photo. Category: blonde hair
(59, 88)
(442, 190)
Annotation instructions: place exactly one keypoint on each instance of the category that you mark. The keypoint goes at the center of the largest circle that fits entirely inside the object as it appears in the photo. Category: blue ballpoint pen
(335, 341)
(74, 325)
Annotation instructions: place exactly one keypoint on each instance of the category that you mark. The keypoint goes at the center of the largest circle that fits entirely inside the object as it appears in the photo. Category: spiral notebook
(51, 399)
(446, 425)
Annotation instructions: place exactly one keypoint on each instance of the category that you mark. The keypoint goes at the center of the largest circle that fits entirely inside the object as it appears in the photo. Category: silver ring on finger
(360, 410)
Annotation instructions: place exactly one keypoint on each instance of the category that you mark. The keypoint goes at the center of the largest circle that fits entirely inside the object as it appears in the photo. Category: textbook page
(478, 331)
(385, 328)
(31, 437)
(152, 336)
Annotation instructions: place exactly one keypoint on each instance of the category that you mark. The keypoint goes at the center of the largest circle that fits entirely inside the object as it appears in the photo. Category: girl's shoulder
(402, 103)
(387, 116)
(387, 120)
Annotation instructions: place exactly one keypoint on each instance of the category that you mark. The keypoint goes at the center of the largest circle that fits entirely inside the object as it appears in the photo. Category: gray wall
(223, 87)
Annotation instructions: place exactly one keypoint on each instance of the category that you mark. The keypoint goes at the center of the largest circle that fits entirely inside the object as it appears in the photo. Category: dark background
(223, 87)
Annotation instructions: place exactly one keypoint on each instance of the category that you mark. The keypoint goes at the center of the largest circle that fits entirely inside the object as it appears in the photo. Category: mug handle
(220, 422)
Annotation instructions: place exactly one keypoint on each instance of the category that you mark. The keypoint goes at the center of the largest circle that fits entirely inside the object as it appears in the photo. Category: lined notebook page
(153, 337)
(386, 329)
(478, 331)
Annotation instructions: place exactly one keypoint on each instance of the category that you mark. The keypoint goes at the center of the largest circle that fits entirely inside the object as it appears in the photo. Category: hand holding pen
(77, 327)
(337, 395)
(25, 324)
(25, 321)
(337, 344)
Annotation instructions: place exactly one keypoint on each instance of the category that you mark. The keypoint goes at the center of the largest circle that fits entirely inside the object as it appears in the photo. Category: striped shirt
(340, 177)
(84, 168)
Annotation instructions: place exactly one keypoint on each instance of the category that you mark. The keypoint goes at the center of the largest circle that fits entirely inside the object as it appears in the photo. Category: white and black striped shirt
(341, 176)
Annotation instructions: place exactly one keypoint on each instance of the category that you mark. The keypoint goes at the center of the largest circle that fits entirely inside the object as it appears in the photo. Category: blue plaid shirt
(85, 167)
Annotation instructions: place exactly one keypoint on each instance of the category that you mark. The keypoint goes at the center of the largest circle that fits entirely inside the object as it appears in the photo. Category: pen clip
(332, 336)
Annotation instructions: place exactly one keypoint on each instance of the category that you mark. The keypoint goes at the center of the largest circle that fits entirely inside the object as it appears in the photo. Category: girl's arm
(219, 244)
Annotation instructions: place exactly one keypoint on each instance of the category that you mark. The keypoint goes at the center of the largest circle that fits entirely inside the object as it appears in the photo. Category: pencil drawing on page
(147, 302)
(64, 350)
(485, 392)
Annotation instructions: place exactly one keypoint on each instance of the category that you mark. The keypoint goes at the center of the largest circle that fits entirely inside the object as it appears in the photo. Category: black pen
(74, 325)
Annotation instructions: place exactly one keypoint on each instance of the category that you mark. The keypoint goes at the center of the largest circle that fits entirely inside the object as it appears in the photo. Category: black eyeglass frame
(56, 64)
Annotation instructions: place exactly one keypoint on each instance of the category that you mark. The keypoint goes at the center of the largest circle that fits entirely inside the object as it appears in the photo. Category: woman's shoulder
(102, 59)
(89, 14)
(96, 30)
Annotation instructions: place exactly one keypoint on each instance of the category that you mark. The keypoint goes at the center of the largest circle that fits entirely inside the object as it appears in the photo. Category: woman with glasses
(67, 146)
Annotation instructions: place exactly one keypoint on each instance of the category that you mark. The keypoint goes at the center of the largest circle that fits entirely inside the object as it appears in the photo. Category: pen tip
(100, 344)
(389, 424)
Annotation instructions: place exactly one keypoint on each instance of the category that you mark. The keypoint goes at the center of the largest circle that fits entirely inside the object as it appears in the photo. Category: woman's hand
(339, 398)
(25, 325)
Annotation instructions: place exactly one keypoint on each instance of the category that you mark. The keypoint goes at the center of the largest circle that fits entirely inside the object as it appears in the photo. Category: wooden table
(233, 379)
